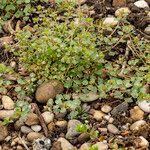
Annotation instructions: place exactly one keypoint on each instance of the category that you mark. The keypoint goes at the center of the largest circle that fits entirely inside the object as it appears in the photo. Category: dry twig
(41, 119)
(23, 142)
(125, 59)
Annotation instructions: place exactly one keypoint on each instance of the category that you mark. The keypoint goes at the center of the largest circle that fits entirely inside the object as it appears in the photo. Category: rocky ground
(112, 124)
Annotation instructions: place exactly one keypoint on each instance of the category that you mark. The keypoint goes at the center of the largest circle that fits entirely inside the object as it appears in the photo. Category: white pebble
(141, 4)
(36, 128)
(110, 21)
(145, 106)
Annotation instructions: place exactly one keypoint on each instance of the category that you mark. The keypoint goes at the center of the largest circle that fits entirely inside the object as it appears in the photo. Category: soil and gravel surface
(121, 125)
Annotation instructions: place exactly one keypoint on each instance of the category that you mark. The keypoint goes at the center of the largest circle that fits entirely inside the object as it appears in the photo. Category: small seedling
(88, 130)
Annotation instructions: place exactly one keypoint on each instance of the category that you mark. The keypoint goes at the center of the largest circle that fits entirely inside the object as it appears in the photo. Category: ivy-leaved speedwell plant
(84, 56)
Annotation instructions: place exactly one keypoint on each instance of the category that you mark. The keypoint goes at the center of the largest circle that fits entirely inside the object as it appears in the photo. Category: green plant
(93, 148)
(84, 128)
(84, 56)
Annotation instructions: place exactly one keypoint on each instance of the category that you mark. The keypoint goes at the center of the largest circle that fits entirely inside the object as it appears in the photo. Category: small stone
(141, 142)
(121, 12)
(111, 120)
(98, 115)
(48, 91)
(121, 108)
(89, 97)
(36, 128)
(8, 138)
(145, 106)
(83, 138)
(80, 2)
(136, 113)
(19, 147)
(51, 126)
(65, 145)
(34, 135)
(3, 132)
(7, 103)
(6, 113)
(48, 117)
(26, 130)
(101, 146)
(61, 124)
(71, 129)
(103, 130)
(13, 64)
(106, 108)
(42, 144)
(112, 129)
(32, 119)
(147, 30)
(56, 146)
(106, 117)
(110, 21)
(85, 146)
(136, 125)
(141, 4)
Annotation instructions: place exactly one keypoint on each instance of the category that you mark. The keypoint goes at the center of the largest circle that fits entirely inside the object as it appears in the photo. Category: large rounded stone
(48, 91)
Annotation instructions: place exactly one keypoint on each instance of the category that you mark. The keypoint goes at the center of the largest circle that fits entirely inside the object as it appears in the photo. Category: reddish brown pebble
(119, 3)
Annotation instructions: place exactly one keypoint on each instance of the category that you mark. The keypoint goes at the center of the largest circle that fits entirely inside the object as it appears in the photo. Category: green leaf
(68, 83)
(27, 9)
(85, 82)
(20, 1)
(10, 7)
(21, 81)
(3, 4)
(18, 14)
(18, 89)
(81, 128)
(27, 1)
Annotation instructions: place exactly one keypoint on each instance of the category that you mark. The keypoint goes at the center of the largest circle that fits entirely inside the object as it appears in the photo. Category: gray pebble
(26, 130)
(121, 108)
(112, 129)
